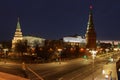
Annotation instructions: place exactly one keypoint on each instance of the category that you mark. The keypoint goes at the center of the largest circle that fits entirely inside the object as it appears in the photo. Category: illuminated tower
(18, 35)
(90, 33)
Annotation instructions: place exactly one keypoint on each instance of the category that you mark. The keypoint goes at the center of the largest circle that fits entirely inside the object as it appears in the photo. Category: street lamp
(5, 53)
(107, 50)
(93, 52)
(59, 50)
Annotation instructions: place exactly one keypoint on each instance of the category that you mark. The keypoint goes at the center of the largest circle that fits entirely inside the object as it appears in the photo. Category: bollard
(23, 66)
(24, 70)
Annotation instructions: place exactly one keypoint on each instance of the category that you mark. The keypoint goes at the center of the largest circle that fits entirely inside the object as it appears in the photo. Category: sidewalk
(97, 75)
(6, 76)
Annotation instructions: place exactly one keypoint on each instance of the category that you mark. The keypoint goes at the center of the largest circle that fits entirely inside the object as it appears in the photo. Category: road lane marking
(38, 76)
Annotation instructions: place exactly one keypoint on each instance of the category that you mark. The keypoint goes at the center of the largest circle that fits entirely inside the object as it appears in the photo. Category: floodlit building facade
(33, 41)
(75, 41)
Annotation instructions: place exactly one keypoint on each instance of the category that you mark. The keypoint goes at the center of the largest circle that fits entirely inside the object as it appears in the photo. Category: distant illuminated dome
(18, 35)
(32, 41)
(77, 39)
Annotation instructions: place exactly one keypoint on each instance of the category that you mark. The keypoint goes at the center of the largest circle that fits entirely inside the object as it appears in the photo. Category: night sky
(54, 19)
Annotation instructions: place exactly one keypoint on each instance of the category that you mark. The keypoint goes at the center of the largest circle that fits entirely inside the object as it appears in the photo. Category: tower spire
(90, 33)
(90, 20)
(18, 35)
(18, 24)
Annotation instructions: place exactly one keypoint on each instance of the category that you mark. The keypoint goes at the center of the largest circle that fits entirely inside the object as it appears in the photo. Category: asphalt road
(77, 69)
(12, 68)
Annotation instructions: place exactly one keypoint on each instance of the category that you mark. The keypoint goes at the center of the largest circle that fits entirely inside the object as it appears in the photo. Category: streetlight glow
(93, 52)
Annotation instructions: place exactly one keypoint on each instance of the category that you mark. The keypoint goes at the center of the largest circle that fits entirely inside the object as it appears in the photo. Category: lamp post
(5, 53)
(107, 52)
(93, 52)
(59, 50)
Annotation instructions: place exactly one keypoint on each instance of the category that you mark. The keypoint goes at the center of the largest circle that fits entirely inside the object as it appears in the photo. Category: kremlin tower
(18, 35)
(90, 33)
